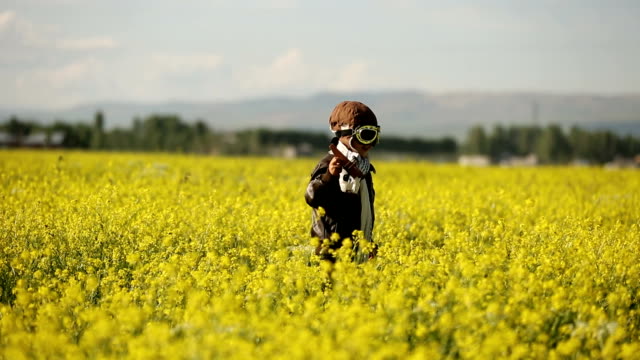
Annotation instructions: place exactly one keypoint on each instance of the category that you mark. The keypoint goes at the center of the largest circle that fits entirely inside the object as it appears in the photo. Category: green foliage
(18, 128)
(76, 136)
(553, 146)
(550, 144)
(477, 142)
(445, 145)
(97, 135)
(169, 133)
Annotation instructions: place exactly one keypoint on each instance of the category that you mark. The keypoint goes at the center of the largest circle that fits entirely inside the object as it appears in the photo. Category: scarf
(347, 182)
(358, 185)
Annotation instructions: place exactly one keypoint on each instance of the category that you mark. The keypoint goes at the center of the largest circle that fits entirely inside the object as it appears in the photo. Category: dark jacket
(342, 210)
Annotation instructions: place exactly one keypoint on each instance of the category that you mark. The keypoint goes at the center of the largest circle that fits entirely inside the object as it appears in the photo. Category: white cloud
(156, 77)
(175, 76)
(291, 74)
(351, 77)
(53, 2)
(87, 43)
(280, 4)
(75, 73)
(17, 32)
(293, 57)
(58, 86)
(6, 18)
(288, 69)
(473, 17)
(172, 76)
(43, 68)
(181, 63)
(398, 4)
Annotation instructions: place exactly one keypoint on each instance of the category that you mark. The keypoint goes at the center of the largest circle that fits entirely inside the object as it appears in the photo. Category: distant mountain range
(401, 113)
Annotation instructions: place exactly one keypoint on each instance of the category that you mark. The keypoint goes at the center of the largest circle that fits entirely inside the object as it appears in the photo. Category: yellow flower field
(182, 257)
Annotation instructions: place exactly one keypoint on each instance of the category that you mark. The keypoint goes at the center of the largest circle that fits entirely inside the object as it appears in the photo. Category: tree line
(170, 133)
(551, 144)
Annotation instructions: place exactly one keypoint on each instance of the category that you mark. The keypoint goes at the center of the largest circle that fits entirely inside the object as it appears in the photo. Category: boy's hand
(343, 161)
(335, 167)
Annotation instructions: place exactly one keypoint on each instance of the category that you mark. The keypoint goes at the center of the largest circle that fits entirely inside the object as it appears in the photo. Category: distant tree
(170, 133)
(477, 142)
(18, 128)
(553, 146)
(202, 137)
(119, 139)
(499, 143)
(97, 134)
(603, 146)
(252, 142)
(580, 142)
(165, 133)
(628, 146)
(76, 136)
(447, 145)
(523, 139)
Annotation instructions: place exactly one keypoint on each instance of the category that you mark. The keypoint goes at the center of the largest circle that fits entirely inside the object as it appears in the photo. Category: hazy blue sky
(56, 53)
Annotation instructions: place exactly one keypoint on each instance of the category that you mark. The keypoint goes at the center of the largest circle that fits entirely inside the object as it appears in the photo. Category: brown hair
(351, 114)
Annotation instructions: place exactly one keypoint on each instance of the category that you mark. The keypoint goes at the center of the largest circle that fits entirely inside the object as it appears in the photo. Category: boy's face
(362, 149)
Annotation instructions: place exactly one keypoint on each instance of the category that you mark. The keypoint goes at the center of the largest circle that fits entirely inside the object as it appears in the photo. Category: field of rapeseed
(167, 256)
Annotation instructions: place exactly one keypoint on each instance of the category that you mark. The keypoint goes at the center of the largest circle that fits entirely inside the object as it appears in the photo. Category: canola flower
(137, 256)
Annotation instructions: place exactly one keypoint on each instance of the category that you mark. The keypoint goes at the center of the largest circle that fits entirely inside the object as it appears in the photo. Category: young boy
(342, 199)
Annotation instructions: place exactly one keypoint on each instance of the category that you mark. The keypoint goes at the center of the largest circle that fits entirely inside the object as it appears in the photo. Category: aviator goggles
(366, 134)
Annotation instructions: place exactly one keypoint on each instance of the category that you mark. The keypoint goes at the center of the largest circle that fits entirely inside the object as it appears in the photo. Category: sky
(61, 53)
